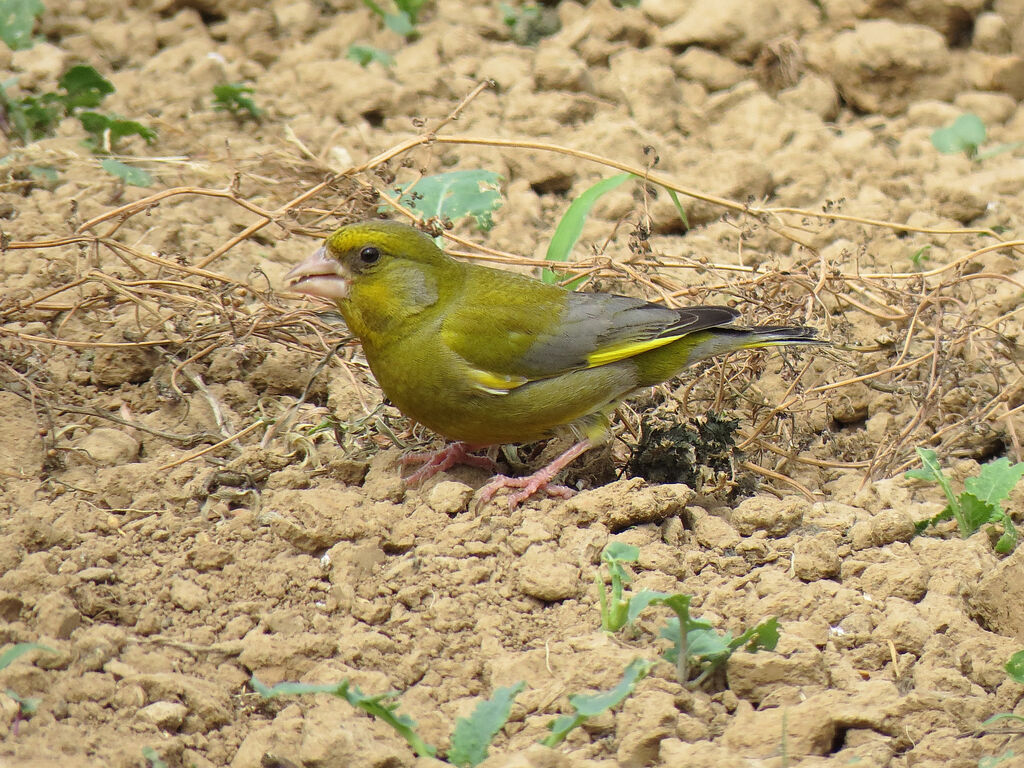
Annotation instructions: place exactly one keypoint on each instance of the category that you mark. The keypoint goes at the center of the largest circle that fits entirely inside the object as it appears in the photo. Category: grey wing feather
(596, 321)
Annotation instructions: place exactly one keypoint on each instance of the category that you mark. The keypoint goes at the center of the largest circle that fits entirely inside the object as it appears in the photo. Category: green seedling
(992, 762)
(697, 649)
(17, 17)
(570, 227)
(1015, 669)
(470, 739)
(528, 24)
(367, 54)
(26, 706)
(235, 98)
(451, 195)
(473, 735)
(80, 91)
(405, 18)
(981, 501)
(966, 134)
(585, 707)
(615, 609)
(151, 756)
(920, 256)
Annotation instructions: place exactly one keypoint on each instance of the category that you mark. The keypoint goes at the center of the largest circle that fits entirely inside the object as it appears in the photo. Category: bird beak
(320, 275)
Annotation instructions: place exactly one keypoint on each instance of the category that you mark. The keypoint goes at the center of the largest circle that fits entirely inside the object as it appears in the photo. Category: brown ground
(164, 588)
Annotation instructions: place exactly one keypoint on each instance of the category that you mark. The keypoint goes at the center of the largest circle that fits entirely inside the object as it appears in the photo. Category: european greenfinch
(484, 356)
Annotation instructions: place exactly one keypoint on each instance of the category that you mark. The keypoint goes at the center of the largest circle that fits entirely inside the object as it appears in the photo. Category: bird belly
(450, 405)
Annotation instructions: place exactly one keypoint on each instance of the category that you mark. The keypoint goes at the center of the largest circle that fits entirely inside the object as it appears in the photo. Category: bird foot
(538, 481)
(442, 460)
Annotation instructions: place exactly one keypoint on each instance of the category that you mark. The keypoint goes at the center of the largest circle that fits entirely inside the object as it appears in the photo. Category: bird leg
(538, 481)
(444, 459)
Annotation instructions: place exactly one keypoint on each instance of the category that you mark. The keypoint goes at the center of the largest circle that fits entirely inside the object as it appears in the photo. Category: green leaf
(403, 725)
(400, 24)
(28, 706)
(234, 98)
(451, 195)
(974, 513)
(620, 551)
(474, 734)
(127, 173)
(639, 601)
(764, 636)
(367, 54)
(108, 130)
(16, 651)
(992, 761)
(931, 472)
(85, 87)
(965, 134)
(153, 758)
(411, 8)
(679, 207)
(995, 481)
(587, 706)
(1015, 667)
(570, 227)
(17, 17)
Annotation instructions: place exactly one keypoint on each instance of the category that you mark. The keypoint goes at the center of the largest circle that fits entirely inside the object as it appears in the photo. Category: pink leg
(538, 481)
(446, 458)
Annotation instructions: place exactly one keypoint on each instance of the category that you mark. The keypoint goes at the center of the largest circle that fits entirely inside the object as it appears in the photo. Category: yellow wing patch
(627, 349)
(495, 383)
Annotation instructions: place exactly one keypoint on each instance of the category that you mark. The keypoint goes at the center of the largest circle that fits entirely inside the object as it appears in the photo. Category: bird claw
(442, 460)
(539, 481)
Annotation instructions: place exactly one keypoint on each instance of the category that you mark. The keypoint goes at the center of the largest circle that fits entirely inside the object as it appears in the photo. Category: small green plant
(451, 195)
(17, 17)
(152, 757)
(570, 227)
(365, 55)
(697, 648)
(981, 501)
(470, 739)
(587, 706)
(528, 24)
(79, 92)
(26, 706)
(615, 609)
(966, 134)
(1015, 669)
(236, 99)
(403, 21)
(920, 256)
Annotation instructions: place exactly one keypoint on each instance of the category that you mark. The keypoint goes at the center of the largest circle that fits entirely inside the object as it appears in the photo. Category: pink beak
(320, 275)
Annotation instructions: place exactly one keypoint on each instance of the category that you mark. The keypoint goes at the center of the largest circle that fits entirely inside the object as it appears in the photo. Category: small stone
(166, 715)
(188, 595)
(109, 447)
(57, 616)
(542, 576)
(449, 497)
(712, 532)
(777, 517)
(998, 600)
(816, 557)
(97, 575)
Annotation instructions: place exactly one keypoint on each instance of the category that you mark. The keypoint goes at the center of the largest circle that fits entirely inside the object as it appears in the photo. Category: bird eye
(370, 255)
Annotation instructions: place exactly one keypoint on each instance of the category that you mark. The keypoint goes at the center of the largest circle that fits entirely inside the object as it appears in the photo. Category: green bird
(485, 357)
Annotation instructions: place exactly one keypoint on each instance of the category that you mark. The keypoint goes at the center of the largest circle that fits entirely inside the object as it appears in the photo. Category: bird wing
(506, 342)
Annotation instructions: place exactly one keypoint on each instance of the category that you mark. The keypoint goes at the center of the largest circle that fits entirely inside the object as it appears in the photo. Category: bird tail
(771, 335)
(730, 338)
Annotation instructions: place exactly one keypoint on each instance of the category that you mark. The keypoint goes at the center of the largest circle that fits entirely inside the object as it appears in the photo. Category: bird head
(369, 250)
